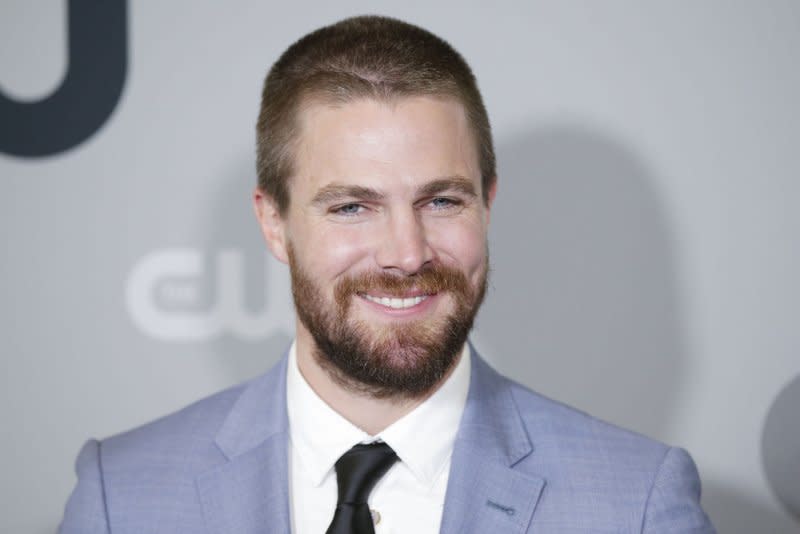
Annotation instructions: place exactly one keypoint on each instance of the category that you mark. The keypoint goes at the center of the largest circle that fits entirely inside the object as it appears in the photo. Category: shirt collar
(320, 435)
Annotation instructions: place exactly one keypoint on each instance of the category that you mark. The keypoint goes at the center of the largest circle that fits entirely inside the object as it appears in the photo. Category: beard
(402, 360)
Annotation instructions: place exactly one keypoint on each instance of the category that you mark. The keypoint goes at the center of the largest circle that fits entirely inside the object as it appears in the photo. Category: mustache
(430, 280)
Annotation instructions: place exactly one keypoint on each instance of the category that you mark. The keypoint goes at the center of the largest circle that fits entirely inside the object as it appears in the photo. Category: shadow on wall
(584, 301)
(584, 305)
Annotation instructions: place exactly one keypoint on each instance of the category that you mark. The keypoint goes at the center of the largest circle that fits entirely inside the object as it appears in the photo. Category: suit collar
(249, 494)
(484, 492)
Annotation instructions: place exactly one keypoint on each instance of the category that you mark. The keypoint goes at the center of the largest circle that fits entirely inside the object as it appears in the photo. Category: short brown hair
(368, 56)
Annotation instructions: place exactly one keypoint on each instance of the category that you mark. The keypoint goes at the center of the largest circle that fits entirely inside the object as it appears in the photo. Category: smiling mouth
(396, 303)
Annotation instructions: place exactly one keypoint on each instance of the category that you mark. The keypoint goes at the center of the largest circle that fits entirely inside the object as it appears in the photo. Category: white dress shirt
(410, 497)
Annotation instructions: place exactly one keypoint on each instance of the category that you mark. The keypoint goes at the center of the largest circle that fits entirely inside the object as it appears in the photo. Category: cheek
(335, 251)
(463, 245)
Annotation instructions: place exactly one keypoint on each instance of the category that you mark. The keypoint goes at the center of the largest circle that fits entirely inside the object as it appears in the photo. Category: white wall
(644, 240)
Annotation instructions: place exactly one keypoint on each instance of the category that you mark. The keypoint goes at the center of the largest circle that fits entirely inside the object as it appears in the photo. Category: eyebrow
(334, 192)
(449, 183)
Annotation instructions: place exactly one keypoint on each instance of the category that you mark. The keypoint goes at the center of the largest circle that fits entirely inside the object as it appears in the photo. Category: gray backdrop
(644, 239)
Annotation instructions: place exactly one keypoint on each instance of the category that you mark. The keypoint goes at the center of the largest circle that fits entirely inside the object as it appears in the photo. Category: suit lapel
(249, 494)
(484, 491)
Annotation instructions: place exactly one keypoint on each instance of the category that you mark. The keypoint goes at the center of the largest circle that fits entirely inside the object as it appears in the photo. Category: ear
(272, 224)
(491, 193)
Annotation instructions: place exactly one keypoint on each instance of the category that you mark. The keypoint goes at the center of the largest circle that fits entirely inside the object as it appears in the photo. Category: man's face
(385, 236)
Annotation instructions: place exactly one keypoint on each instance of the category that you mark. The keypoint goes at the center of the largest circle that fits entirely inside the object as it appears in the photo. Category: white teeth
(396, 303)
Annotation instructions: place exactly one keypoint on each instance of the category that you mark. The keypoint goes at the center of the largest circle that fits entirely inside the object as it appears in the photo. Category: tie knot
(360, 468)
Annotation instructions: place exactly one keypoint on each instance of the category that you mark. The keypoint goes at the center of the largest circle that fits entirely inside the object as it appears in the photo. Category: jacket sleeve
(674, 501)
(85, 512)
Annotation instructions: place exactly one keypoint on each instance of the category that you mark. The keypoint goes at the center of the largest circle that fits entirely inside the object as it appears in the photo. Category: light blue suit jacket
(521, 463)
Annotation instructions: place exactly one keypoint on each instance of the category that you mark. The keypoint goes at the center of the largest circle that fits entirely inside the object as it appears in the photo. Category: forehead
(383, 143)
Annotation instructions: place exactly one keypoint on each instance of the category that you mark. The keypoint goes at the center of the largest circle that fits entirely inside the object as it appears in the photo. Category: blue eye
(442, 202)
(348, 209)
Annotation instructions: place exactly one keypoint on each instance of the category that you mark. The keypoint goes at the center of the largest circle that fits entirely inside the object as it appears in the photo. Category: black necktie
(357, 471)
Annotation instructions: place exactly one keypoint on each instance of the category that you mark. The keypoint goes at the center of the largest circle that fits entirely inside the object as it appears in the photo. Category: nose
(403, 246)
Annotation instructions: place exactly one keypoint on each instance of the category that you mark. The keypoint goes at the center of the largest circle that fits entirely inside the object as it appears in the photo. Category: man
(376, 181)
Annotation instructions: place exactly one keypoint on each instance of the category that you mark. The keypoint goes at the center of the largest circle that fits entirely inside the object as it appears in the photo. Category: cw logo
(164, 290)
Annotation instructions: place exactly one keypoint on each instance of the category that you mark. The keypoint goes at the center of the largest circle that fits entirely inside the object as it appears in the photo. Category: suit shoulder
(170, 437)
(621, 481)
(560, 428)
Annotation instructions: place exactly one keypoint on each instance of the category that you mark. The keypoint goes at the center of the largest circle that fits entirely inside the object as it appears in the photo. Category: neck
(370, 414)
